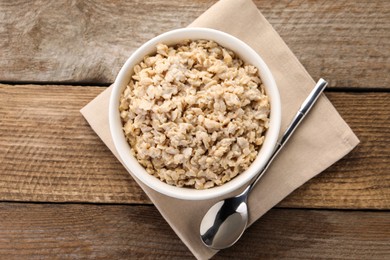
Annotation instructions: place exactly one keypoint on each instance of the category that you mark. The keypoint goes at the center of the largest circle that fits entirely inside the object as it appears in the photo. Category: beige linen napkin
(322, 139)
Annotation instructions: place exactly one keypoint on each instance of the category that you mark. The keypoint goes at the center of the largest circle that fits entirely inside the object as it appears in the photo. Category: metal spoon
(225, 222)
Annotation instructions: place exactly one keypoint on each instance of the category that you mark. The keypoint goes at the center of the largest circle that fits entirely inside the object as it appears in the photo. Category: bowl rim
(123, 148)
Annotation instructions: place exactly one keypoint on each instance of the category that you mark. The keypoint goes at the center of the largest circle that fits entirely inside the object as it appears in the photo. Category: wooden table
(64, 195)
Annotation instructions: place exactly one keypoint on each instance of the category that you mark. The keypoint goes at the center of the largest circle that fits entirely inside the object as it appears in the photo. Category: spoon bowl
(225, 222)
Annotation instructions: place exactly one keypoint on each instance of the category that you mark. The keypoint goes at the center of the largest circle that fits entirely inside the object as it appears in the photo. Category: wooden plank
(346, 42)
(72, 231)
(49, 153)
(353, 181)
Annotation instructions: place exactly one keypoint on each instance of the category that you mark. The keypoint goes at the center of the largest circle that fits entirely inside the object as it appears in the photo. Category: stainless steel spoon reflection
(225, 222)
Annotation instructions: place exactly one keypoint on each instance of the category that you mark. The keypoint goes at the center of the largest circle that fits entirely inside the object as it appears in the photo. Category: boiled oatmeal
(194, 114)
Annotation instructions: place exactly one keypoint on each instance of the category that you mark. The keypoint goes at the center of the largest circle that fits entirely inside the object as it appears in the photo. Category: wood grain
(72, 231)
(346, 42)
(49, 153)
(355, 179)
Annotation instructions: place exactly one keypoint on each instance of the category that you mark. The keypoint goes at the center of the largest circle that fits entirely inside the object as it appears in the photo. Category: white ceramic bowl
(245, 53)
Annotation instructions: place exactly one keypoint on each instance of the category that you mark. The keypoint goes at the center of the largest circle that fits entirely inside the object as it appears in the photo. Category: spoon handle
(303, 110)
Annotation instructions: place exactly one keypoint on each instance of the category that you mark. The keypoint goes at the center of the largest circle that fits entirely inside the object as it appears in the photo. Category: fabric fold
(321, 140)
